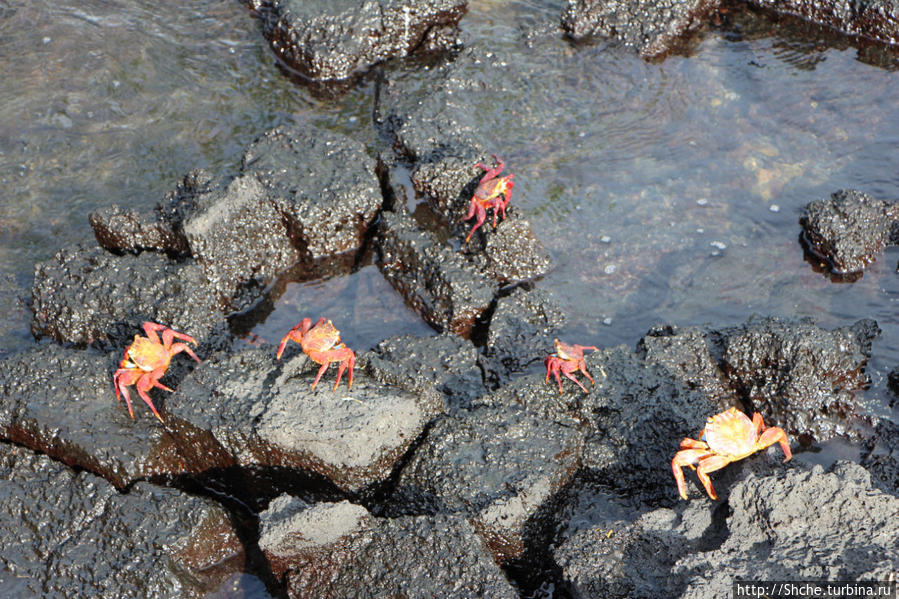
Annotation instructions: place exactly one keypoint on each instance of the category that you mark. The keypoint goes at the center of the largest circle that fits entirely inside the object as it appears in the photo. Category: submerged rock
(333, 550)
(849, 229)
(74, 535)
(333, 40)
(653, 27)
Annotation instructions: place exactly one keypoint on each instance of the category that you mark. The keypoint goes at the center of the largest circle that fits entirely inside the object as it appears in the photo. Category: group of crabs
(727, 437)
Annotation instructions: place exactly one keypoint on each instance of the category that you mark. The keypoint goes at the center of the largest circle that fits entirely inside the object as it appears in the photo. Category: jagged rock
(333, 40)
(436, 282)
(653, 27)
(849, 229)
(133, 231)
(874, 19)
(445, 364)
(333, 550)
(500, 465)
(82, 295)
(799, 376)
(251, 410)
(61, 402)
(323, 184)
(880, 456)
(74, 535)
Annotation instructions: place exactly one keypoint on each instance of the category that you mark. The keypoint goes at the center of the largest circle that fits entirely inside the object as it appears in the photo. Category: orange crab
(568, 359)
(146, 360)
(321, 342)
(490, 193)
(727, 437)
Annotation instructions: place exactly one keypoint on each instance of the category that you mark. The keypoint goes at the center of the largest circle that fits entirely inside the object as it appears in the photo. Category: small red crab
(146, 360)
(727, 437)
(489, 194)
(568, 359)
(321, 342)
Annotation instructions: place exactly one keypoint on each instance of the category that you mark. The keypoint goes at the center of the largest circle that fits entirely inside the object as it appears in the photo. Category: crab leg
(347, 360)
(296, 334)
(124, 377)
(687, 457)
(773, 435)
(321, 371)
(476, 208)
(568, 368)
(492, 172)
(710, 464)
(181, 347)
(144, 384)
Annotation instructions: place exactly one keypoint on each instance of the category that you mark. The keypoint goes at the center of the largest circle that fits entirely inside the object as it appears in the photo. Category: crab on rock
(146, 360)
(727, 437)
(568, 359)
(321, 342)
(492, 192)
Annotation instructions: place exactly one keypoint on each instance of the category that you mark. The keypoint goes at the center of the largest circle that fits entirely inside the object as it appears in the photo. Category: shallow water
(667, 192)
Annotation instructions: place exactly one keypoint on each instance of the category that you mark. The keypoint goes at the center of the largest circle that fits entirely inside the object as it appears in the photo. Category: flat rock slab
(322, 183)
(799, 376)
(250, 410)
(62, 402)
(874, 19)
(86, 294)
(74, 535)
(652, 27)
(335, 550)
(333, 40)
(794, 524)
(849, 229)
(502, 466)
(436, 281)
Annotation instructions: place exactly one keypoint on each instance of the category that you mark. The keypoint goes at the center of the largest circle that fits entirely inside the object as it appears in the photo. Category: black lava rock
(73, 535)
(874, 19)
(335, 550)
(849, 229)
(333, 40)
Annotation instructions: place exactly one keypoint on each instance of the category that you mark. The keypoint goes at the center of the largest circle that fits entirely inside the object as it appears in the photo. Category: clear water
(666, 192)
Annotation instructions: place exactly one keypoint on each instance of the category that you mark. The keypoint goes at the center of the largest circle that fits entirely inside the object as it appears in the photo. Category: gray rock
(323, 184)
(62, 402)
(250, 410)
(799, 376)
(436, 282)
(500, 465)
(874, 19)
(133, 231)
(333, 550)
(880, 456)
(82, 295)
(74, 535)
(333, 40)
(653, 27)
(848, 229)
(445, 366)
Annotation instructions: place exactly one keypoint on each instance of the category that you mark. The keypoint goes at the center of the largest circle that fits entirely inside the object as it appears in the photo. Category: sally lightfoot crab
(568, 359)
(321, 342)
(727, 437)
(492, 192)
(146, 360)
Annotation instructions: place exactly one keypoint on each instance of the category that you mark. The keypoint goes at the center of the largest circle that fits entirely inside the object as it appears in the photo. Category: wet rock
(333, 550)
(799, 524)
(251, 410)
(620, 558)
(238, 237)
(799, 376)
(82, 295)
(687, 355)
(637, 413)
(328, 40)
(653, 27)
(521, 333)
(880, 456)
(61, 402)
(875, 19)
(323, 184)
(133, 231)
(74, 535)
(514, 254)
(500, 465)
(445, 366)
(849, 229)
(435, 281)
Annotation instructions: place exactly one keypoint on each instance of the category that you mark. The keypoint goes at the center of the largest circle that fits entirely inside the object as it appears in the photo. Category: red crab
(321, 342)
(727, 437)
(568, 359)
(489, 194)
(146, 360)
